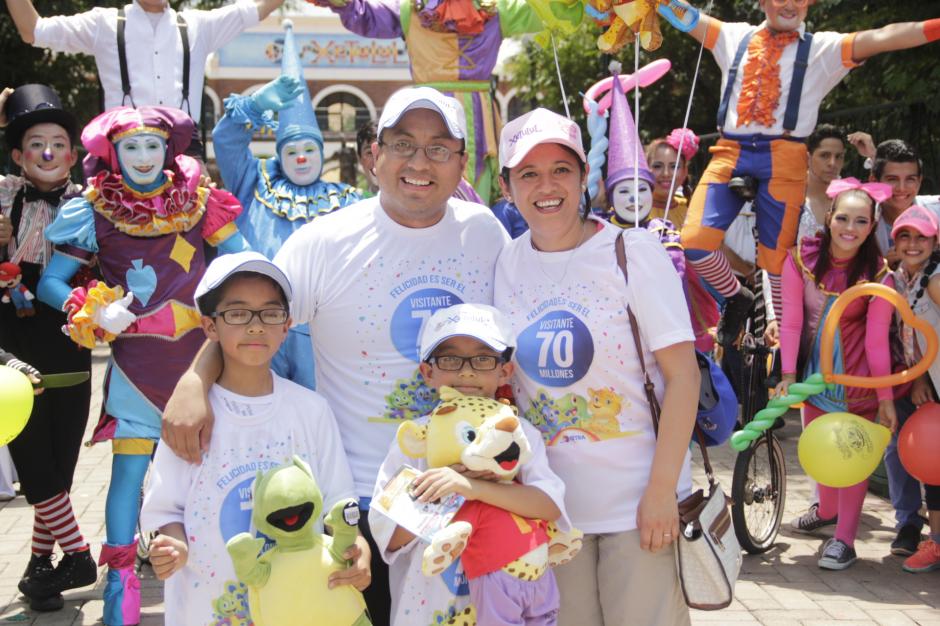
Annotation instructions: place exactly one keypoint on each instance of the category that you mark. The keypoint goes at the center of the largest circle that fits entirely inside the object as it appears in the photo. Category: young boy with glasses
(261, 421)
(467, 347)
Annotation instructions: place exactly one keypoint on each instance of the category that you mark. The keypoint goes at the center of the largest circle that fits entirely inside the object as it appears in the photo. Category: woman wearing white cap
(579, 378)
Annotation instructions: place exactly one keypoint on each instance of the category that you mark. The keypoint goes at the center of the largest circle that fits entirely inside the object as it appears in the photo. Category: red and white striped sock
(57, 516)
(43, 541)
(716, 271)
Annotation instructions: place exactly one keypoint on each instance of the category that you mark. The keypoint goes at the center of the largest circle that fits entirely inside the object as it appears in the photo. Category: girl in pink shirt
(815, 273)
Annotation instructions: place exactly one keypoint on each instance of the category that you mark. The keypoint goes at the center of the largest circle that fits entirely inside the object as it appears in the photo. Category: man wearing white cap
(366, 279)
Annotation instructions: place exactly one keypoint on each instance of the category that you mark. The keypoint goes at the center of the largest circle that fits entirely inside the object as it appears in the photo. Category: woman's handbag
(708, 555)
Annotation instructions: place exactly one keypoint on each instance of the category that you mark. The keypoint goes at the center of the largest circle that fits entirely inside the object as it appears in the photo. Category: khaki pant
(612, 581)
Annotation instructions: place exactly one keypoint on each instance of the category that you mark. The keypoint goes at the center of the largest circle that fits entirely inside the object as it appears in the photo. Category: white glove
(115, 317)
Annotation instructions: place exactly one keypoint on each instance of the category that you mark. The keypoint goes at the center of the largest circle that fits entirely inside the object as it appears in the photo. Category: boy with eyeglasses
(261, 421)
(764, 129)
(467, 347)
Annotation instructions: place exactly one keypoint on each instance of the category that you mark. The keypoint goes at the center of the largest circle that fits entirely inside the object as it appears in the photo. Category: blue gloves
(277, 94)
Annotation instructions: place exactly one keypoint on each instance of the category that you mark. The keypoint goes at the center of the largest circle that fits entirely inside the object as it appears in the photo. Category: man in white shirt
(896, 163)
(153, 33)
(366, 279)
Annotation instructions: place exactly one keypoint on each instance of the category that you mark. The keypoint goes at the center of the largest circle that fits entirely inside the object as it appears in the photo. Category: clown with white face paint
(145, 216)
(279, 194)
(631, 201)
(141, 158)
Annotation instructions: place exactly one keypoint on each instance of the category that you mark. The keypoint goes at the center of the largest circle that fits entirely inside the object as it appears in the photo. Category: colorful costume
(148, 242)
(275, 206)
(772, 85)
(805, 305)
(453, 45)
(627, 162)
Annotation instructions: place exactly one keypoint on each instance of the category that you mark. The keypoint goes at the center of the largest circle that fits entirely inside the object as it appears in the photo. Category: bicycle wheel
(758, 491)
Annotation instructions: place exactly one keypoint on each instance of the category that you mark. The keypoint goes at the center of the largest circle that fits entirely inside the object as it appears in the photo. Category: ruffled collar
(289, 201)
(176, 206)
(462, 17)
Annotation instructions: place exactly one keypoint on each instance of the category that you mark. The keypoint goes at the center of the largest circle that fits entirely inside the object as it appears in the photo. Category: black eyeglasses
(435, 152)
(243, 317)
(454, 363)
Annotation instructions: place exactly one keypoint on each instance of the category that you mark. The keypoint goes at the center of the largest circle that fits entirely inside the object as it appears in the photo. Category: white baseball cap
(537, 127)
(479, 321)
(410, 98)
(227, 264)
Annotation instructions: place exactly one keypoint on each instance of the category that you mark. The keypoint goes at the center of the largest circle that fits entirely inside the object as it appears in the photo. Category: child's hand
(920, 391)
(359, 574)
(439, 482)
(167, 556)
(477, 474)
(887, 416)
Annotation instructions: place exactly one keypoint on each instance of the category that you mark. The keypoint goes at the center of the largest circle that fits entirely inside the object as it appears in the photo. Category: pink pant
(846, 502)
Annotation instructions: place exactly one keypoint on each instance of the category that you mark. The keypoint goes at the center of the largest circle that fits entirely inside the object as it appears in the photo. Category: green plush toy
(287, 584)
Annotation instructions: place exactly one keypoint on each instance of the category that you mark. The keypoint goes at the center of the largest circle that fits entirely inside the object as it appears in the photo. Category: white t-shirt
(366, 285)
(578, 379)
(213, 500)
(154, 51)
(419, 600)
(830, 59)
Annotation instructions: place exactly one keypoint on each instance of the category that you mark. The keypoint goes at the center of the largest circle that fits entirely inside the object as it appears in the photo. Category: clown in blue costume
(145, 215)
(282, 193)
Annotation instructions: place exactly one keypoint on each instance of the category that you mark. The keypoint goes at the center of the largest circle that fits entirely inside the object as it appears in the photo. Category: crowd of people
(331, 316)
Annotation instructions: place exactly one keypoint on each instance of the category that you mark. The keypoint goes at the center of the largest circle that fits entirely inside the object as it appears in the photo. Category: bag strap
(648, 386)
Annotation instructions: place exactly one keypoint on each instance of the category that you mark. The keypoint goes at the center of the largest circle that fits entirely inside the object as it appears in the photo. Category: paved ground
(783, 586)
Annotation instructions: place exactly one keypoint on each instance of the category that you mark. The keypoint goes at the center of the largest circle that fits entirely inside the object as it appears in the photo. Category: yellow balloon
(16, 403)
(842, 449)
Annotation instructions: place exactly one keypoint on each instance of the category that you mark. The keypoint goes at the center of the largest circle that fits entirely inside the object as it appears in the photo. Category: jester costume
(626, 162)
(148, 241)
(275, 205)
(452, 46)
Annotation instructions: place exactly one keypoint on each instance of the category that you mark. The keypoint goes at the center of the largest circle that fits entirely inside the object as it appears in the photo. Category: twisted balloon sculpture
(597, 129)
(818, 382)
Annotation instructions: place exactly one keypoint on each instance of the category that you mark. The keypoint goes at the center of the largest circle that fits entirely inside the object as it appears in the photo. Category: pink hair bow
(686, 138)
(879, 192)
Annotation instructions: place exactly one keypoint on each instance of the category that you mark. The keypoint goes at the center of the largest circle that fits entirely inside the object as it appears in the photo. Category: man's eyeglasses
(435, 152)
(243, 317)
(453, 363)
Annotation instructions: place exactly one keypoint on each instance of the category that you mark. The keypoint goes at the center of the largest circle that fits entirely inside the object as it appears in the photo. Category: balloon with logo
(841, 449)
(16, 403)
(917, 444)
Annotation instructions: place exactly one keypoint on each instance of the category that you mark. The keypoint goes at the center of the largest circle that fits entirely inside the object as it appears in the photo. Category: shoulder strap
(122, 59)
(792, 113)
(648, 386)
(184, 36)
(16, 214)
(732, 76)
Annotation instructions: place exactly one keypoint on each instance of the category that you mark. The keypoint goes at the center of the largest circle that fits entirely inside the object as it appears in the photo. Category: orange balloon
(831, 325)
(917, 444)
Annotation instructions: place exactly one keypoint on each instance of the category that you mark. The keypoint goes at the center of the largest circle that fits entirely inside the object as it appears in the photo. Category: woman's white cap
(479, 321)
(537, 127)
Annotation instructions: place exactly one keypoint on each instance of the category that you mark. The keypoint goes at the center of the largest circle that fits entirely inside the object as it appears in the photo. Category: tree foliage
(891, 95)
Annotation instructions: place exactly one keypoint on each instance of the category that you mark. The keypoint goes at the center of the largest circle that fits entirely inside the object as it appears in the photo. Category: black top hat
(35, 104)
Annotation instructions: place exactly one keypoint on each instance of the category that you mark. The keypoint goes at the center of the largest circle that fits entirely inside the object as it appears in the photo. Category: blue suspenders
(792, 112)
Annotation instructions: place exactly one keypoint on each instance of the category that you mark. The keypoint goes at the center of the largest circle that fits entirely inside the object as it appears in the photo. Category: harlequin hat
(298, 120)
(625, 155)
(99, 137)
(33, 104)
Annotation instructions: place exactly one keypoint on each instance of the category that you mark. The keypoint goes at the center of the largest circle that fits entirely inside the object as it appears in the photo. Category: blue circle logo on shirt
(412, 313)
(235, 514)
(557, 350)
